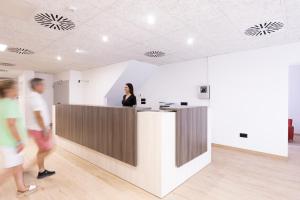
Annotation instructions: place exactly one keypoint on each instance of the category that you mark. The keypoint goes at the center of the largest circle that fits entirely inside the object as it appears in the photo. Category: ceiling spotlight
(58, 58)
(3, 47)
(104, 38)
(190, 41)
(80, 51)
(151, 19)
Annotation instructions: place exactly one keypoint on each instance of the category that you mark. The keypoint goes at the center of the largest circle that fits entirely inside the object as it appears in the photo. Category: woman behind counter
(129, 99)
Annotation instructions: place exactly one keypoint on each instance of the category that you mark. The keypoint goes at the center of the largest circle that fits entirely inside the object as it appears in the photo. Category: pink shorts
(43, 143)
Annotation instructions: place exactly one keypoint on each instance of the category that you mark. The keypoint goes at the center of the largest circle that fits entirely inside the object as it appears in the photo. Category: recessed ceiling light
(151, 19)
(58, 58)
(3, 47)
(104, 38)
(80, 51)
(190, 41)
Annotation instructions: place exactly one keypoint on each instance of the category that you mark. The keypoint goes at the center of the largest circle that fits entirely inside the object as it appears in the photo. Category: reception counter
(154, 150)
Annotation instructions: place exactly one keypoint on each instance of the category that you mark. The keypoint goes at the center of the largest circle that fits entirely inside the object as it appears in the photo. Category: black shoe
(45, 174)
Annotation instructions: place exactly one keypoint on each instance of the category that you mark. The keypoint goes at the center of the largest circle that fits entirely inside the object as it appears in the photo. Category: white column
(24, 88)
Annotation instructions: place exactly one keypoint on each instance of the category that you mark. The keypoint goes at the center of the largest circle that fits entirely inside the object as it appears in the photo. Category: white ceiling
(217, 27)
(12, 73)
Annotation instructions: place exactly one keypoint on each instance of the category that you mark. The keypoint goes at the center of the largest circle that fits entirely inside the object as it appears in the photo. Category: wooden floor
(233, 175)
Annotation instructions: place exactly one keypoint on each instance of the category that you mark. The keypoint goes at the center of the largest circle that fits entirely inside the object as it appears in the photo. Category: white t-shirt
(35, 102)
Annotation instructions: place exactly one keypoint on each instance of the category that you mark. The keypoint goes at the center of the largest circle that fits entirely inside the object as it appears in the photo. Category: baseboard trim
(258, 153)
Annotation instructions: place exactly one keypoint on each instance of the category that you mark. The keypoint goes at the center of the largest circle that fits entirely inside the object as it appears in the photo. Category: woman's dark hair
(130, 86)
(5, 85)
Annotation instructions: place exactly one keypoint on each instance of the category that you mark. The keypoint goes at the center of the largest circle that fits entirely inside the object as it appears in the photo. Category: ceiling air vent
(264, 29)
(20, 51)
(3, 70)
(56, 22)
(155, 54)
(7, 64)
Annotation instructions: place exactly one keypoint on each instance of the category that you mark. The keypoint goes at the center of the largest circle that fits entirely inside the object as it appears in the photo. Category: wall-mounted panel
(108, 130)
(191, 134)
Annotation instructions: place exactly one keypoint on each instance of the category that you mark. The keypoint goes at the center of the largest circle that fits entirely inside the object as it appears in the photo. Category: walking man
(38, 124)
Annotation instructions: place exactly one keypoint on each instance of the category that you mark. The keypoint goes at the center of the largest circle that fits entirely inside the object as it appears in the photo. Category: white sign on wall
(204, 92)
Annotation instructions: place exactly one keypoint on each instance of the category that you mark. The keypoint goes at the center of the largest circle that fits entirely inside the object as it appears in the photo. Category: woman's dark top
(130, 101)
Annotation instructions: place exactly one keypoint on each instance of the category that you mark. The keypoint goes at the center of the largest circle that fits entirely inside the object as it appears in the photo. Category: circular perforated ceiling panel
(155, 54)
(55, 22)
(20, 51)
(7, 64)
(264, 29)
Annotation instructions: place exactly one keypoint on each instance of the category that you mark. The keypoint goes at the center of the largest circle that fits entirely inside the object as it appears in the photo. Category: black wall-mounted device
(244, 135)
(183, 103)
(143, 100)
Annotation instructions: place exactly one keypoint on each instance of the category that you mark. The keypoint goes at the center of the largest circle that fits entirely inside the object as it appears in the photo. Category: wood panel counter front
(191, 134)
(108, 130)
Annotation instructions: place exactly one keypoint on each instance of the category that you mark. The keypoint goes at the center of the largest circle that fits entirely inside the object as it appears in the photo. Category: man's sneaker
(45, 174)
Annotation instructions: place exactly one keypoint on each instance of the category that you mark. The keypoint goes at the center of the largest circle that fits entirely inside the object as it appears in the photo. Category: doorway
(294, 105)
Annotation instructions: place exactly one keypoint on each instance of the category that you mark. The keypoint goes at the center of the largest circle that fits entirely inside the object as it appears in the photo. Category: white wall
(24, 88)
(249, 93)
(75, 87)
(136, 73)
(97, 82)
(294, 96)
(62, 76)
(177, 82)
